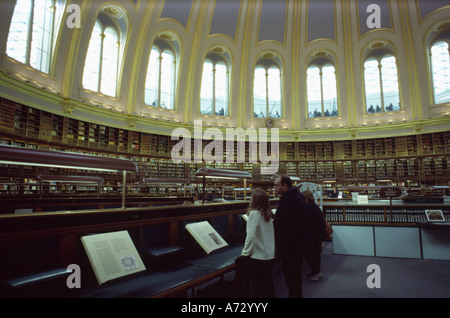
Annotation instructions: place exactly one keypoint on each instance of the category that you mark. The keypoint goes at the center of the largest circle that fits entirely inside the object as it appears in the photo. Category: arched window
(440, 71)
(381, 84)
(267, 90)
(110, 62)
(160, 81)
(102, 60)
(31, 33)
(321, 91)
(92, 65)
(214, 89)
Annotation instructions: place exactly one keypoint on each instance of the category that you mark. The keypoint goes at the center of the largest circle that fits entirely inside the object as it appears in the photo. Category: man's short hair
(284, 179)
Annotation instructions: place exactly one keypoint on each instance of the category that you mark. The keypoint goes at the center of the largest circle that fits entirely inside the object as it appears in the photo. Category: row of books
(379, 215)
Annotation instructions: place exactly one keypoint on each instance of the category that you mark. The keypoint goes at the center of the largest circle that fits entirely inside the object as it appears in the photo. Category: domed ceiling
(291, 32)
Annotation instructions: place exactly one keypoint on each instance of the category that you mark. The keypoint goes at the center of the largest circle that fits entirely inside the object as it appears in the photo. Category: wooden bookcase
(422, 158)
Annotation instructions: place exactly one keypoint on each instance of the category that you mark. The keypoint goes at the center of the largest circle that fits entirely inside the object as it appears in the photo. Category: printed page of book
(206, 236)
(112, 255)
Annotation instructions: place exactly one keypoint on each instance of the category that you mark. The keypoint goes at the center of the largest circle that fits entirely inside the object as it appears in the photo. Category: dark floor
(345, 276)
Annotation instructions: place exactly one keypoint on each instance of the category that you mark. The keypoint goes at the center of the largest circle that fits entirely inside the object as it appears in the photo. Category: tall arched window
(92, 65)
(31, 33)
(214, 89)
(440, 67)
(102, 60)
(381, 84)
(267, 90)
(160, 81)
(321, 91)
(110, 62)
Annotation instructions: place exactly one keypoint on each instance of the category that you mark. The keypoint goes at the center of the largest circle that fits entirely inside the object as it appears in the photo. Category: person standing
(315, 235)
(290, 233)
(259, 244)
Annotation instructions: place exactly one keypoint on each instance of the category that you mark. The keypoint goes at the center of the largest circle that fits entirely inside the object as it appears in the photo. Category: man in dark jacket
(290, 233)
(315, 235)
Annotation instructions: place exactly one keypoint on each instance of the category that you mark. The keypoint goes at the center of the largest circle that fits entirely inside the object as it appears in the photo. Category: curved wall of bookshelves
(419, 158)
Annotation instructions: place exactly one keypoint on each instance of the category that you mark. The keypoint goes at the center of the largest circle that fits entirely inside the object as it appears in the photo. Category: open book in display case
(112, 255)
(206, 236)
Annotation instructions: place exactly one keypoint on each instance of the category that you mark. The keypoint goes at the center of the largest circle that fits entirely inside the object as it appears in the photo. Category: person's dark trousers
(242, 276)
(292, 268)
(261, 275)
(312, 256)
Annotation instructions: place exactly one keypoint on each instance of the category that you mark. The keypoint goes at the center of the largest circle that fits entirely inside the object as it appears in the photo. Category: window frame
(162, 49)
(215, 60)
(30, 48)
(267, 64)
(432, 75)
(101, 60)
(379, 58)
(320, 65)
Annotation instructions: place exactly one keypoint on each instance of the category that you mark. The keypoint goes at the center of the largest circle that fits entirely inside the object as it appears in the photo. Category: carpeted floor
(346, 276)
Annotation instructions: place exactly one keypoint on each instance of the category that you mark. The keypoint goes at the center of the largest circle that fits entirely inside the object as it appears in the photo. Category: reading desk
(36, 248)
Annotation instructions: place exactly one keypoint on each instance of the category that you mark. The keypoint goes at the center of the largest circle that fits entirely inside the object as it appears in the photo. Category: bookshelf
(7, 114)
(390, 147)
(349, 170)
(441, 167)
(311, 150)
(329, 170)
(346, 213)
(391, 169)
(360, 149)
(291, 169)
(20, 120)
(302, 153)
(146, 143)
(412, 146)
(291, 153)
(421, 158)
(348, 149)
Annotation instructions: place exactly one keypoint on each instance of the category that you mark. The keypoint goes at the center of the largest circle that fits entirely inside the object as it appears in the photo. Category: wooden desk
(52, 239)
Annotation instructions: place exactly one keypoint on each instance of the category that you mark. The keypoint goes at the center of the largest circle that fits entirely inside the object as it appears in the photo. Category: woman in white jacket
(260, 244)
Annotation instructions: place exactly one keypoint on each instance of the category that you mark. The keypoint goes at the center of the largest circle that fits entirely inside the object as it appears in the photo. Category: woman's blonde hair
(260, 201)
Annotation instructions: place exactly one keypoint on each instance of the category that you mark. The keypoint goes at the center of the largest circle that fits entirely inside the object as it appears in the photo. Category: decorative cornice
(132, 121)
(69, 106)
